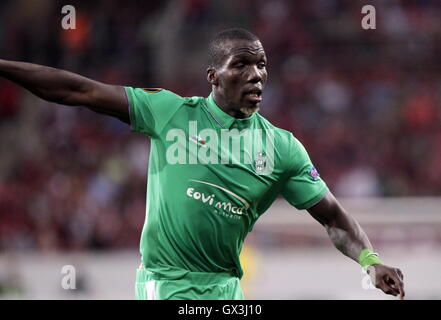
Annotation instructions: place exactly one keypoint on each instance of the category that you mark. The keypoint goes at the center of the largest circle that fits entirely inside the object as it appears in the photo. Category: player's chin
(249, 107)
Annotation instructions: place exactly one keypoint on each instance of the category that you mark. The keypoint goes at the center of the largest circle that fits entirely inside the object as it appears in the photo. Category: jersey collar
(224, 119)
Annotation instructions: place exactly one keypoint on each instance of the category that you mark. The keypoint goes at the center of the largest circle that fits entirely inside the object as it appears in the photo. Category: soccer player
(207, 184)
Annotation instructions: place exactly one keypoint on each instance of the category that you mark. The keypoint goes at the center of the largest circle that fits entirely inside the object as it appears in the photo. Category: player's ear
(212, 76)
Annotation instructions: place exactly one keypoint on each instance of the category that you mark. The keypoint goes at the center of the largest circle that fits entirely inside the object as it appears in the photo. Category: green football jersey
(210, 177)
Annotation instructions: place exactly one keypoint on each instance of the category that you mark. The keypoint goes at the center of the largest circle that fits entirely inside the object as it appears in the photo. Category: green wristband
(368, 258)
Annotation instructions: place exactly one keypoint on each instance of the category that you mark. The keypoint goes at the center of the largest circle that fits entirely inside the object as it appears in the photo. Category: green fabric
(302, 190)
(368, 258)
(198, 214)
(193, 286)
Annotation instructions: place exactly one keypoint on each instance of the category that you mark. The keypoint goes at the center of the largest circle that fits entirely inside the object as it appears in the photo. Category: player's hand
(387, 279)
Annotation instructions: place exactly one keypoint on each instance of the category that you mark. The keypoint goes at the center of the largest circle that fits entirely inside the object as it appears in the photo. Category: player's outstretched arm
(67, 88)
(348, 236)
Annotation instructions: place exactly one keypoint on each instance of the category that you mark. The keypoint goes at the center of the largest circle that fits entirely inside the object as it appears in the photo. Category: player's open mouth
(254, 95)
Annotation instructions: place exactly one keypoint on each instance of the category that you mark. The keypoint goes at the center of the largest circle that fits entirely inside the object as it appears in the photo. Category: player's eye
(239, 65)
(261, 65)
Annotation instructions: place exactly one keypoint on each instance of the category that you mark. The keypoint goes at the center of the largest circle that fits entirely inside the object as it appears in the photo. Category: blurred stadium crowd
(365, 103)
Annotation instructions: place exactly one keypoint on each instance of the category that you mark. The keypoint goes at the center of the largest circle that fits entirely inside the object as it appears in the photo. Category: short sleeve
(151, 109)
(304, 187)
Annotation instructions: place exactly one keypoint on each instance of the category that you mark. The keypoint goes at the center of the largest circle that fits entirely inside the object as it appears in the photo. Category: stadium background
(365, 103)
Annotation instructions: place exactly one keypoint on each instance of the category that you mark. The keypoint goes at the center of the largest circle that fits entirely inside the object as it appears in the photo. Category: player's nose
(255, 75)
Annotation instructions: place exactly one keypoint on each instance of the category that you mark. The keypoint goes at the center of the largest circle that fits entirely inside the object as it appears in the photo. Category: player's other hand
(387, 279)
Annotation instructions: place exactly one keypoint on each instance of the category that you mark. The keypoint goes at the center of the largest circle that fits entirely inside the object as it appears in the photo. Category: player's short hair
(216, 48)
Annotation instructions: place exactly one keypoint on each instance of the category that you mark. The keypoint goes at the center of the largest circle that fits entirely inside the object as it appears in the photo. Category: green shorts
(193, 286)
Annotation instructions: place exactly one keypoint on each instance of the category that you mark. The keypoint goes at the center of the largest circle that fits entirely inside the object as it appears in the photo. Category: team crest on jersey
(152, 90)
(314, 174)
(260, 162)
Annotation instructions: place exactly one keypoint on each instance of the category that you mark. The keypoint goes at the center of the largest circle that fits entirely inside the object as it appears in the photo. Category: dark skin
(244, 68)
(238, 82)
(348, 237)
(67, 88)
(237, 85)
